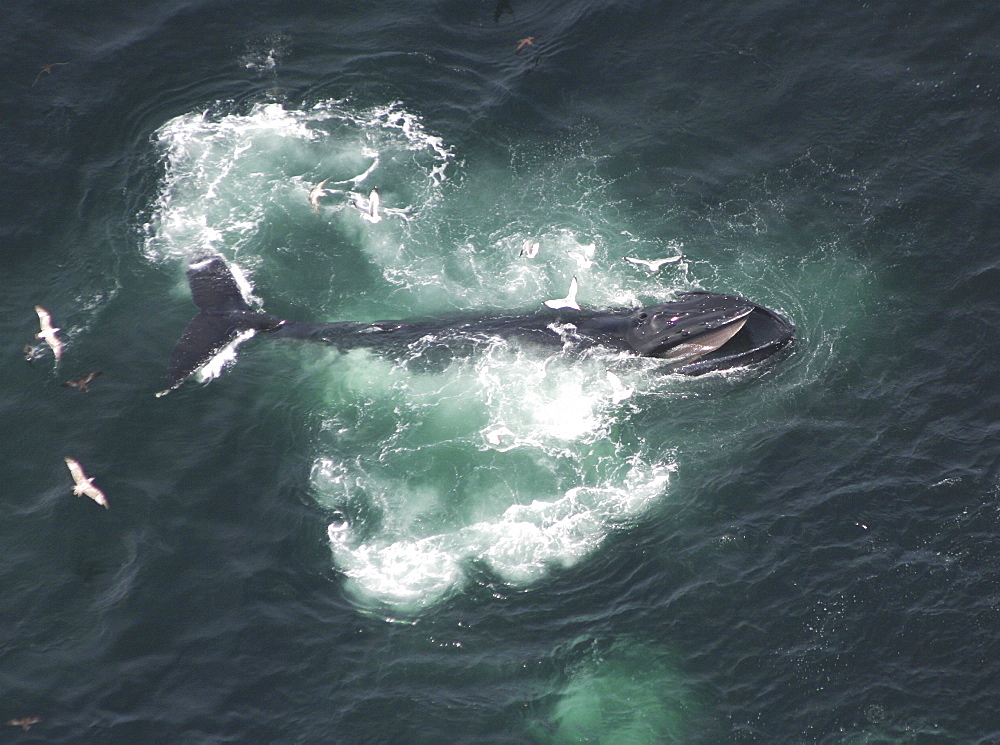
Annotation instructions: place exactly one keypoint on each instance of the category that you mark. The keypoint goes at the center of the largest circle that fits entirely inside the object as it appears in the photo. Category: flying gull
(584, 257)
(528, 41)
(653, 265)
(317, 193)
(85, 485)
(48, 332)
(82, 382)
(369, 207)
(565, 302)
(619, 391)
(47, 70)
(24, 723)
(530, 249)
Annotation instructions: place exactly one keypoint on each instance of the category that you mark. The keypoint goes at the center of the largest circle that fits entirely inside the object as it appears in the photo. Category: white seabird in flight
(48, 332)
(370, 208)
(653, 265)
(584, 257)
(619, 391)
(85, 485)
(530, 249)
(566, 302)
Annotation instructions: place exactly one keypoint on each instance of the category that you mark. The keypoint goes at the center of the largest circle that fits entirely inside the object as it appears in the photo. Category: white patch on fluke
(223, 358)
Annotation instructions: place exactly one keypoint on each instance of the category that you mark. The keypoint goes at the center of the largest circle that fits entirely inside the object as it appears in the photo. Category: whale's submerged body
(697, 333)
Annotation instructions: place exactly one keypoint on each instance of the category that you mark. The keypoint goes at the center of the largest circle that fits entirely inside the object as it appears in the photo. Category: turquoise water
(317, 546)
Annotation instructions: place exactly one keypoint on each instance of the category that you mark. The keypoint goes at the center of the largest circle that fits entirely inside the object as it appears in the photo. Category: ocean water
(324, 547)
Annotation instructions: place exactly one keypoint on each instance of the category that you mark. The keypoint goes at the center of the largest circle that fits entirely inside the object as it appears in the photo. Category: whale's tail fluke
(225, 319)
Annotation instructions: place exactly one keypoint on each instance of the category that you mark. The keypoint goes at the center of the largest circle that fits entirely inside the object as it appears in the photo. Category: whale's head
(704, 331)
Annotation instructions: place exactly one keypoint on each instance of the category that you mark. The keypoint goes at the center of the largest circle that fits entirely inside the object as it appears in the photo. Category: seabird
(653, 265)
(584, 257)
(525, 42)
(48, 332)
(619, 391)
(317, 193)
(85, 485)
(565, 302)
(47, 70)
(369, 207)
(24, 723)
(31, 352)
(496, 435)
(530, 249)
(82, 382)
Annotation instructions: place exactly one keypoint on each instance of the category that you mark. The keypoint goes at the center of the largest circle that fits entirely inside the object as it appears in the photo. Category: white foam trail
(548, 494)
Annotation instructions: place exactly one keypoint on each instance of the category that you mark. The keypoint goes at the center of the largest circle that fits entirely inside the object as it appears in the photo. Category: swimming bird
(565, 302)
(82, 382)
(48, 332)
(653, 265)
(369, 207)
(46, 70)
(496, 436)
(317, 193)
(24, 723)
(31, 352)
(584, 257)
(619, 391)
(525, 42)
(85, 485)
(530, 249)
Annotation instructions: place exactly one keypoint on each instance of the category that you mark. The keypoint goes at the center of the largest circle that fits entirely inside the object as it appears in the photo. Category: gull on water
(619, 391)
(566, 302)
(370, 207)
(48, 332)
(85, 485)
(82, 382)
(530, 249)
(653, 265)
(496, 435)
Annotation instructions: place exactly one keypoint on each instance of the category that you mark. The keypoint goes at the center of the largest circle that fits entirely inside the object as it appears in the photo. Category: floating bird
(369, 207)
(317, 193)
(653, 265)
(82, 382)
(24, 723)
(619, 391)
(46, 70)
(85, 485)
(584, 257)
(525, 42)
(565, 302)
(496, 436)
(31, 352)
(530, 249)
(48, 332)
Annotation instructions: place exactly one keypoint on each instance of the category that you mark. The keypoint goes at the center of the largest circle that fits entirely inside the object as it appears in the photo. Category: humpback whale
(699, 332)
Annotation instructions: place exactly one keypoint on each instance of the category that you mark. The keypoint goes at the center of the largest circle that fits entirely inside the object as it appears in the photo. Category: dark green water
(803, 553)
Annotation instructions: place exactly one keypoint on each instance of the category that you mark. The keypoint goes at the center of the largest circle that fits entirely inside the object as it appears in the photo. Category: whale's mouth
(704, 331)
